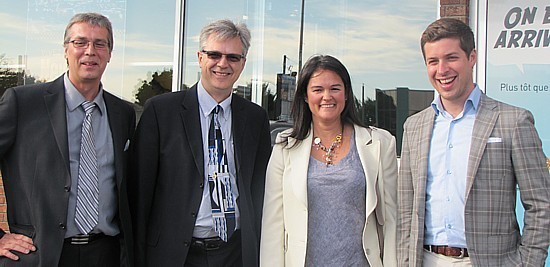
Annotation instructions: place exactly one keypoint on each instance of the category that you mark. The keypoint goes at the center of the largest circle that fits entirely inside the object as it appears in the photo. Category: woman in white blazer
(330, 195)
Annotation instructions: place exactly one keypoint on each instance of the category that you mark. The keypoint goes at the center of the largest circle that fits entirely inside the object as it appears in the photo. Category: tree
(160, 83)
(10, 77)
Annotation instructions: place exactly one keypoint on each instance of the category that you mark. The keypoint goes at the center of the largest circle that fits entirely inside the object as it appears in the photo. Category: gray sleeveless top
(336, 211)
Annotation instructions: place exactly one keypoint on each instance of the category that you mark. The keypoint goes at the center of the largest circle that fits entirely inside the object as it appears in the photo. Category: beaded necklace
(329, 151)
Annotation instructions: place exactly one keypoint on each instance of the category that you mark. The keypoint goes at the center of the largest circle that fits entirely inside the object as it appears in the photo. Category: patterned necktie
(221, 196)
(87, 202)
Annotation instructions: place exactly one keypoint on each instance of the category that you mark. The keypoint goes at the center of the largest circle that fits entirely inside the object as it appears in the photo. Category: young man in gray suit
(63, 156)
(461, 161)
(191, 206)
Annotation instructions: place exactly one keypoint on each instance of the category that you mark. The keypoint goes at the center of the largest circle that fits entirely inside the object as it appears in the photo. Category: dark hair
(300, 112)
(449, 28)
(225, 29)
(94, 19)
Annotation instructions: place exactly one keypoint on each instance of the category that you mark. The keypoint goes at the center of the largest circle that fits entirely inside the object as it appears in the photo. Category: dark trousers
(103, 252)
(228, 254)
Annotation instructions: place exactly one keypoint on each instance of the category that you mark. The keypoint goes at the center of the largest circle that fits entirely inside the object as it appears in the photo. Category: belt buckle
(461, 256)
(208, 244)
(212, 243)
(80, 240)
(211, 246)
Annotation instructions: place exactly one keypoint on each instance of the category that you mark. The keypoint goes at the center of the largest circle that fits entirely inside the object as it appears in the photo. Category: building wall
(458, 9)
(3, 207)
(449, 8)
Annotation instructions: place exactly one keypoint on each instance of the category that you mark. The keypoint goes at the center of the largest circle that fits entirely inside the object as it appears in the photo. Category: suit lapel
(239, 127)
(486, 118)
(117, 131)
(299, 157)
(369, 154)
(422, 140)
(54, 100)
(190, 121)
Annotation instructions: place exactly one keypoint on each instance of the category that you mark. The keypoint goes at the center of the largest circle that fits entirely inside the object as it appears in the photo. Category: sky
(376, 41)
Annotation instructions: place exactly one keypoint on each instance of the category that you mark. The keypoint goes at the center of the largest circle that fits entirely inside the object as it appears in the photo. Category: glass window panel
(378, 42)
(31, 41)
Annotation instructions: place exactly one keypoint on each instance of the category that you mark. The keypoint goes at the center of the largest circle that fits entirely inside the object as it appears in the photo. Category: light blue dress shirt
(447, 169)
(204, 225)
(108, 201)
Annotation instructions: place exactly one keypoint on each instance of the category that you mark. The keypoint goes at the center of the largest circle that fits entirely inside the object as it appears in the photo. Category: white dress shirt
(204, 224)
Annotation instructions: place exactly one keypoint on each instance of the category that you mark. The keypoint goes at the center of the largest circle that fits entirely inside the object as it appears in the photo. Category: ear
(473, 57)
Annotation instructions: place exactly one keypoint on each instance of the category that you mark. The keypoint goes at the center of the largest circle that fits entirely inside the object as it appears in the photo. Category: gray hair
(223, 30)
(93, 19)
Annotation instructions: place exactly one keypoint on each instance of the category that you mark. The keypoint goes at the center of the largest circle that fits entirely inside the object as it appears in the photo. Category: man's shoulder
(429, 111)
(168, 98)
(30, 89)
(502, 107)
(249, 106)
(119, 102)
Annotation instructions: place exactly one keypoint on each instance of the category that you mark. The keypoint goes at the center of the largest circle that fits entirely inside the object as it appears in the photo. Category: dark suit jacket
(167, 158)
(35, 167)
(506, 151)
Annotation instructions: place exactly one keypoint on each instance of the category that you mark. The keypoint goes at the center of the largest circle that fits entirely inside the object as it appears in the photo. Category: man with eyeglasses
(63, 156)
(199, 159)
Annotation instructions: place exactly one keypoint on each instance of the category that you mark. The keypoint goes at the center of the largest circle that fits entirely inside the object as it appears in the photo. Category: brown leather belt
(448, 251)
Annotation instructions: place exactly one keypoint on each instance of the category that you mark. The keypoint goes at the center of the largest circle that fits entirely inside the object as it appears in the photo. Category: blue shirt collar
(207, 103)
(471, 103)
(74, 98)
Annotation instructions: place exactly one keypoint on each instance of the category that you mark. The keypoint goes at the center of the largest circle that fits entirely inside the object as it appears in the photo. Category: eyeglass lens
(85, 43)
(215, 55)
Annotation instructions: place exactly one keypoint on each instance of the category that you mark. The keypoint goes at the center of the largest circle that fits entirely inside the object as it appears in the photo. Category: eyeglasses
(215, 55)
(85, 43)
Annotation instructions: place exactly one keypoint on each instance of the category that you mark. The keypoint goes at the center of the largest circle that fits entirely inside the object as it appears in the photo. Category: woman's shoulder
(284, 136)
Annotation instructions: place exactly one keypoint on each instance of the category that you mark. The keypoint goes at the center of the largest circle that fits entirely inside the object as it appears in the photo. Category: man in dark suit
(44, 131)
(180, 217)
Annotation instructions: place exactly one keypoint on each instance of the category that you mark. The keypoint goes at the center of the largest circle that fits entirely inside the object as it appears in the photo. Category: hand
(15, 242)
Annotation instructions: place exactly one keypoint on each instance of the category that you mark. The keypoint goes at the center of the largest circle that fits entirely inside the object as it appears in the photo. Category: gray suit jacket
(513, 156)
(34, 158)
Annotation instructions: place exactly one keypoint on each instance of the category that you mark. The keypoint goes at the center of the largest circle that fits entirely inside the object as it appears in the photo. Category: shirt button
(451, 146)
(201, 185)
(67, 188)
(449, 226)
(194, 215)
(449, 172)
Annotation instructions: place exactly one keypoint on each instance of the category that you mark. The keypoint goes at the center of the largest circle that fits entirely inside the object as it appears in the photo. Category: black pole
(363, 103)
(284, 63)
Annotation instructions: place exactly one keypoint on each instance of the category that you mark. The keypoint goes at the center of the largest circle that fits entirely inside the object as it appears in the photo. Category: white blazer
(285, 212)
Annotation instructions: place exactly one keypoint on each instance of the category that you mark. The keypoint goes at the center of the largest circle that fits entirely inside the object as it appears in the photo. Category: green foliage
(10, 77)
(160, 83)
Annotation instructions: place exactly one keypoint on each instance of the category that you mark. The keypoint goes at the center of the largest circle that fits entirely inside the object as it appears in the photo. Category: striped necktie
(87, 199)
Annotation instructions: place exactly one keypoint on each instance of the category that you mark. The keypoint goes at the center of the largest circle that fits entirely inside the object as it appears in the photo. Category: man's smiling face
(219, 75)
(450, 70)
